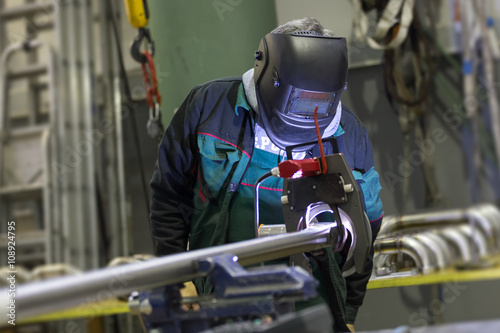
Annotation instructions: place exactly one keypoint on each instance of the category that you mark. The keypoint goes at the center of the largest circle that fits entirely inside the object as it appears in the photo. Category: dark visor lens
(303, 102)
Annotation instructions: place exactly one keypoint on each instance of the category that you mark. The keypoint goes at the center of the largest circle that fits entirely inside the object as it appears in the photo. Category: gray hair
(304, 24)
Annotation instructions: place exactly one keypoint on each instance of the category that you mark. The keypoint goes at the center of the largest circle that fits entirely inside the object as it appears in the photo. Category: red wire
(324, 167)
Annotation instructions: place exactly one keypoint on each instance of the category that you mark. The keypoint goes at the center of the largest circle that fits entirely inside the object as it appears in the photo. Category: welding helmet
(293, 74)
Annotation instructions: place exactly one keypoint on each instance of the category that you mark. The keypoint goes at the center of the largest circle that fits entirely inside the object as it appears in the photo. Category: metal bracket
(339, 190)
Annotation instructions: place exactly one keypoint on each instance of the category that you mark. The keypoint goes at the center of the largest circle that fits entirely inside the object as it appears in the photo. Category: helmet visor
(302, 103)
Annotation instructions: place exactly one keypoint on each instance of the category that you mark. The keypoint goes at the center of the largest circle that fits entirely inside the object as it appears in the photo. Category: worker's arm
(368, 180)
(173, 180)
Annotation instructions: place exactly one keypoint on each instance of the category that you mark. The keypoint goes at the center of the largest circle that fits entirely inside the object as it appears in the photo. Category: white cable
(389, 16)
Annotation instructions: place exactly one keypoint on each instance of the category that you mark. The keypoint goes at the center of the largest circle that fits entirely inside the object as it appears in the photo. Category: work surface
(492, 326)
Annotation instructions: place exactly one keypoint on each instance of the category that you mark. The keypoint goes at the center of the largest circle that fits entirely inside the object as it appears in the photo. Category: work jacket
(202, 159)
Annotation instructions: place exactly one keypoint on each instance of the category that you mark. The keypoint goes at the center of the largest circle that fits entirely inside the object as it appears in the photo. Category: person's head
(299, 66)
(304, 24)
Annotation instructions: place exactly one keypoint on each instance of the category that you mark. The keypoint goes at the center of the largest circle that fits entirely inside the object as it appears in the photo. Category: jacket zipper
(252, 129)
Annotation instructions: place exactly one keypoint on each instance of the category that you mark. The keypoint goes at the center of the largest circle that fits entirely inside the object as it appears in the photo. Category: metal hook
(154, 114)
(135, 49)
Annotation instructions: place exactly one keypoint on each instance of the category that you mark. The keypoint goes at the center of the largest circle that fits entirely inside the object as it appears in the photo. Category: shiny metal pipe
(76, 228)
(482, 215)
(88, 101)
(442, 260)
(395, 223)
(448, 254)
(477, 239)
(459, 241)
(380, 265)
(492, 213)
(411, 247)
(478, 218)
(60, 183)
(56, 294)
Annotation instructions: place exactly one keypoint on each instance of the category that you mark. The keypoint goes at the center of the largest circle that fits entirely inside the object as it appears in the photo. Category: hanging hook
(154, 112)
(135, 49)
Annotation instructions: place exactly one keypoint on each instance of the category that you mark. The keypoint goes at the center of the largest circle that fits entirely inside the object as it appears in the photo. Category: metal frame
(6, 133)
(70, 209)
(72, 187)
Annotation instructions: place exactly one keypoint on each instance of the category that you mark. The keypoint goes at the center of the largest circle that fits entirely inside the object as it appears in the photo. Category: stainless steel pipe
(460, 242)
(485, 216)
(480, 249)
(434, 245)
(409, 246)
(56, 294)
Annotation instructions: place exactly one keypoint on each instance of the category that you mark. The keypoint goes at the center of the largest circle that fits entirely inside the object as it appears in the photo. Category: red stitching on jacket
(381, 216)
(263, 187)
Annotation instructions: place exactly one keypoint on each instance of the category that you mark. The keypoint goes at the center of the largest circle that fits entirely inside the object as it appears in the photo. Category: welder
(229, 132)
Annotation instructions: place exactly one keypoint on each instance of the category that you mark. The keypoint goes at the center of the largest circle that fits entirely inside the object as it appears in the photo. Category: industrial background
(76, 154)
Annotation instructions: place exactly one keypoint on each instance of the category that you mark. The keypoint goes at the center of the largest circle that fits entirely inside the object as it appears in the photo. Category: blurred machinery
(60, 134)
(62, 165)
(438, 240)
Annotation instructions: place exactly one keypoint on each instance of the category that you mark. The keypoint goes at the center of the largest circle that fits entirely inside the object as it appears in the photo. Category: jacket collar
(241, 100)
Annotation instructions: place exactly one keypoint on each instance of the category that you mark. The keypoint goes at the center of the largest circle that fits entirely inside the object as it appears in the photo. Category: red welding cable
(324, 167)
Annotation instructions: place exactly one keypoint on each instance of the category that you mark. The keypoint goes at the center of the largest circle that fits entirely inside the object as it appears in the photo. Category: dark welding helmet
(293, 74)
